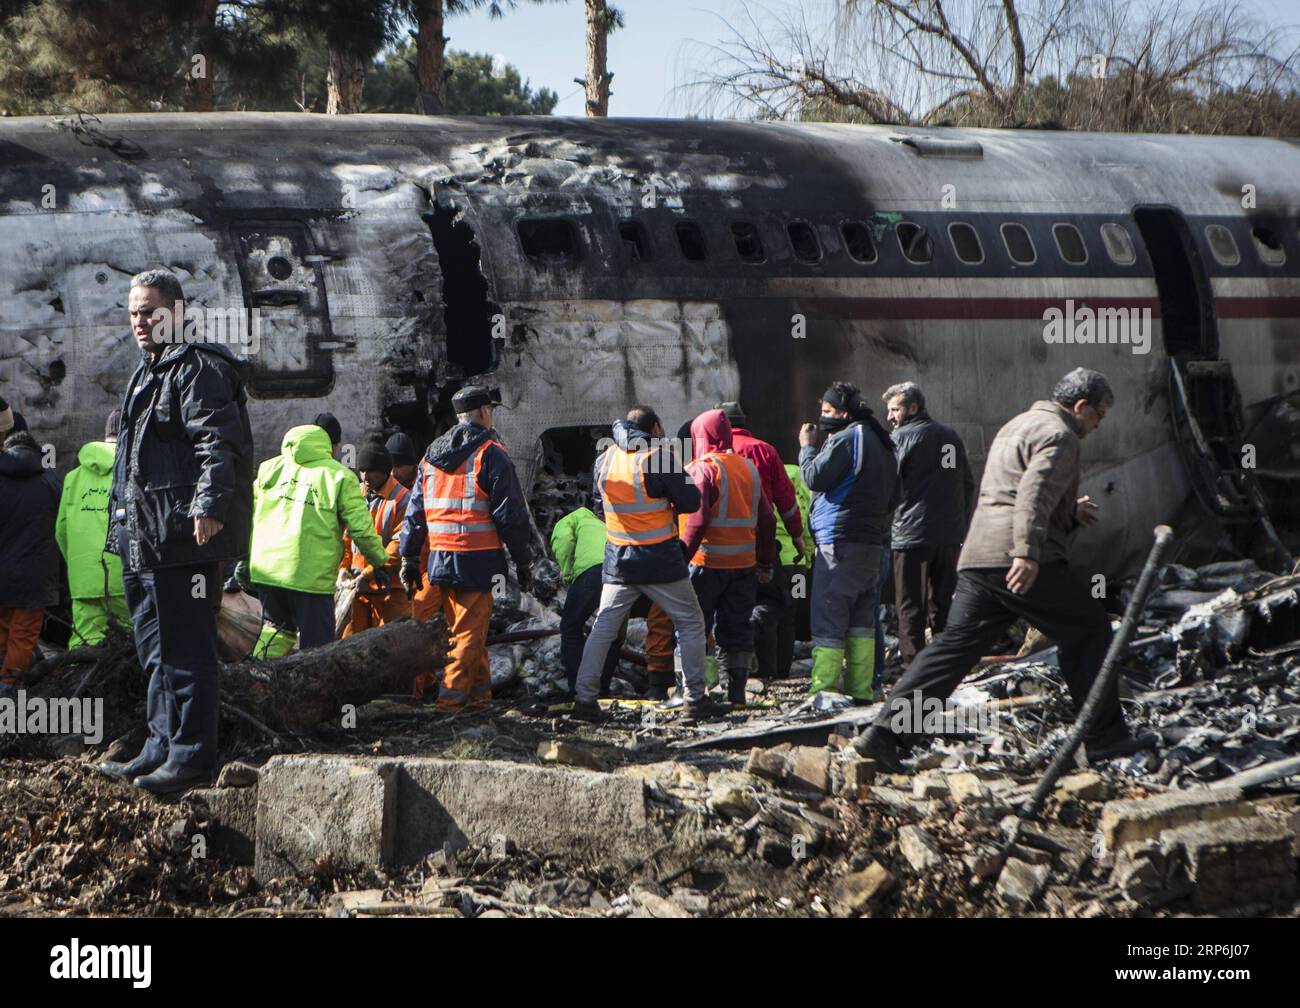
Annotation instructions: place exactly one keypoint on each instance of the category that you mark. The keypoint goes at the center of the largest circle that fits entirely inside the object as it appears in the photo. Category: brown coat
(1027, 496)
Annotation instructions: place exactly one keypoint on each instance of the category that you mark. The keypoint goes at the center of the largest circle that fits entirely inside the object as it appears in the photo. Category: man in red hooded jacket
(730, 544)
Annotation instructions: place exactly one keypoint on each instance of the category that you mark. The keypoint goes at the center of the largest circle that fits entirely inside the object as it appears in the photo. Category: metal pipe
(1105, 675)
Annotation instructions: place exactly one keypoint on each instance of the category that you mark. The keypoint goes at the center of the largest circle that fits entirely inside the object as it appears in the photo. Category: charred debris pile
(768, 812)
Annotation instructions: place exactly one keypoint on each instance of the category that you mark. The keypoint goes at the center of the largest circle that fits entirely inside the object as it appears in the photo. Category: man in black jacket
(29, 556)
(181, 504)
(937, 495)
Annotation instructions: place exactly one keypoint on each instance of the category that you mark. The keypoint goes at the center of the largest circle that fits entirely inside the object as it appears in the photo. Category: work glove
(412, 575)
(381, 579)
(241, 577)
(524, 576)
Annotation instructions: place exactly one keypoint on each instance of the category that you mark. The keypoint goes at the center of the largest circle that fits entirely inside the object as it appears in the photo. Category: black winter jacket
(185, 451)
(854, 483)
(936, 500)
(471, 570)
(29, 555)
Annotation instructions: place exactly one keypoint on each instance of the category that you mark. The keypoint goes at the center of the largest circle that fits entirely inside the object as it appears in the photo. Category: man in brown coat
(1013, 565)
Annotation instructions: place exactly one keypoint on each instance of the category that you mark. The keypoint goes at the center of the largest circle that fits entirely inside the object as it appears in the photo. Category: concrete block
(1135, 819)
(1236, 862)
(856, 891)
(919, 848)
(810, 767)
(598, 816)
(1020, 883)
(313, 806)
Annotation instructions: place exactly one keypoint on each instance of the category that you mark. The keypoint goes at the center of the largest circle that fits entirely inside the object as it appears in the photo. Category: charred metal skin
(583, 265)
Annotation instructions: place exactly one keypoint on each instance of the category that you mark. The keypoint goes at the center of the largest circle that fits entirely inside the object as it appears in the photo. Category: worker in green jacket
(94, 577)
(302, 501)
(578, 542)
(775, 616)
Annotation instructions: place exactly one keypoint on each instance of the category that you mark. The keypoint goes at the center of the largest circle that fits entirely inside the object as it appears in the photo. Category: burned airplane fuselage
(584, 265)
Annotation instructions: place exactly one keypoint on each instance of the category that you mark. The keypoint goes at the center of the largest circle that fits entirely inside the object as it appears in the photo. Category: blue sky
(663, 40)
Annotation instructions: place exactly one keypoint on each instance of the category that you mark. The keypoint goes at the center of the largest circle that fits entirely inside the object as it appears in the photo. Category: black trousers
(924, 580)
(773, 620)
(582, 600)
(983, 607)
(308, 614)
(174, 615)
(727, 596)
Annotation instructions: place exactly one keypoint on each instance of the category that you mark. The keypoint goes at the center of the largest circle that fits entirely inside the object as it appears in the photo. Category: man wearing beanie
(386, 499)
(94, 576)
(402, 451)
(302, 501)
(330, 425)
(854, 482)
(468, 508)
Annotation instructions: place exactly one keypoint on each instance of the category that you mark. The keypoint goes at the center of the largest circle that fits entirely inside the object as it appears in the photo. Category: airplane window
(915, 242)
(690, 239)
(279, 267)
(1070, 243)
(635, 240)
(748, 243)
(1268, 246)
(1119, 244)
(548, 239)
(1020, 247)
(857, 239)
(1222, 245)
(803, 239)
(966, 243)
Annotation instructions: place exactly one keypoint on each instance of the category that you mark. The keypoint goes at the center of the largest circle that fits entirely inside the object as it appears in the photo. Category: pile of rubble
(766, 812)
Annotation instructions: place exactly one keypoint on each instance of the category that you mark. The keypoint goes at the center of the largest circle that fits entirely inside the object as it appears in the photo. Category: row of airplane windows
(555, 240)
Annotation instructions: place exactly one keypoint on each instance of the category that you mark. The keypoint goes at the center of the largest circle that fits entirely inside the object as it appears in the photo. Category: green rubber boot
(860, 666)
(273, 642)
(710, 671)
(827, 662)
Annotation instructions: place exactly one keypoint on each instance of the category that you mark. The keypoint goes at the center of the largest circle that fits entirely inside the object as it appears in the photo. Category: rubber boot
(273, 642)
(827, 662)
(710, 671)
(737, 664)
(859, 667)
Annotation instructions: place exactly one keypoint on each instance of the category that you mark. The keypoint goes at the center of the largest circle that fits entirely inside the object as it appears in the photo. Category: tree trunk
(200, 88)
(302, 689)
(346, 80)
(431, 60)
(598, 78)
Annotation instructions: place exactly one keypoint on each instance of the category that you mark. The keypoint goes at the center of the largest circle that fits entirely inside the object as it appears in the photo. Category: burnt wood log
(303, 689)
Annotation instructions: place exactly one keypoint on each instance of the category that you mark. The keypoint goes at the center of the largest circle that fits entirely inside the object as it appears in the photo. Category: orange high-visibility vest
(456, 511)
(386, 513)
(733, 518)
(632, 518)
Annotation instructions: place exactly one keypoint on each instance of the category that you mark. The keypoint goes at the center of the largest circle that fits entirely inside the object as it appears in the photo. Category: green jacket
(783, 542)
(578, 542)
(82, 524)
(302, 500)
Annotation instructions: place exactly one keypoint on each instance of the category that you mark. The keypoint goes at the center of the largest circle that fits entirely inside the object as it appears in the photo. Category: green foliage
(263, 55)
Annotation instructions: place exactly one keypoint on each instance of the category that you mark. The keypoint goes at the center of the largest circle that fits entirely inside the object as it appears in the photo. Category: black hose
(1105, 675)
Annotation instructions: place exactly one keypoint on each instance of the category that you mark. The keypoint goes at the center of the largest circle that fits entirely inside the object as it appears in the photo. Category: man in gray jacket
(1013, 565)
